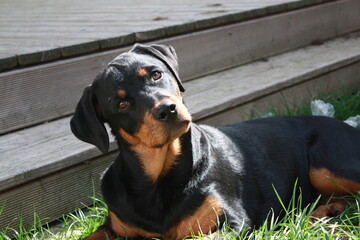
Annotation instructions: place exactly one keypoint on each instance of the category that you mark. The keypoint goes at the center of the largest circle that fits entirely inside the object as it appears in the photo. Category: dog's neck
(155, 161)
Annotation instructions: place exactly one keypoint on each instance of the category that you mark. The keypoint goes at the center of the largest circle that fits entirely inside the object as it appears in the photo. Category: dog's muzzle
(166, 111)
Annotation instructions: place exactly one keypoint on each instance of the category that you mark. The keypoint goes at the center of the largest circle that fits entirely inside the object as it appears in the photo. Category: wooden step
(47, 169)
(34, 95)
(68, 28)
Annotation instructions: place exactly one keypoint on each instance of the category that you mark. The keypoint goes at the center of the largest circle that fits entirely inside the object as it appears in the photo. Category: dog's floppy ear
(86, 124)
(164, 53)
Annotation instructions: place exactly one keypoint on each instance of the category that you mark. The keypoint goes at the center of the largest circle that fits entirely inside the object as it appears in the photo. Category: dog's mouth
(157, 133)
(177, 129)
(157, 130)
(178, 124)
(168, 120)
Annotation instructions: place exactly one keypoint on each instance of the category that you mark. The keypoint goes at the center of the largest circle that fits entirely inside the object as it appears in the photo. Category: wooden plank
(34, 95)
(41, 150)
(37, 151)
(69, 31)
(263, 77)
(46, 92)
(341, 81)
(53, 195)
(252, 40)
(7, 60)
(87, 20)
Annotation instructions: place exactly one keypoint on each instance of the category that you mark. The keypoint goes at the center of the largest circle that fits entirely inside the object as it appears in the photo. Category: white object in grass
(269, 114)
(353, 121)
(320, 108)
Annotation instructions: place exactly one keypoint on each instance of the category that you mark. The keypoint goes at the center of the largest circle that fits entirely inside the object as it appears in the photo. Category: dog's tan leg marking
(204, 220)
(332, 208)
(328, 184)
(125, 230)
(100, 234)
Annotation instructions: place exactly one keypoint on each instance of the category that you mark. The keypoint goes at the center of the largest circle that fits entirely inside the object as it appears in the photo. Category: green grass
(346, 105)
(295, 225)
(72, 226)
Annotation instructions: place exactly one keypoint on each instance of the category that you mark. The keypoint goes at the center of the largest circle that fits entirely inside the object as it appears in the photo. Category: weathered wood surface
(53, 195)
(33, 32)
(49, 91)
(224, 90)
(32, 153)
(338, 82)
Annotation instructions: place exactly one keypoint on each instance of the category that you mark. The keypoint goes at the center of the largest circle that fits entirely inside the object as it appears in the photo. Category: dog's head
(138, 95)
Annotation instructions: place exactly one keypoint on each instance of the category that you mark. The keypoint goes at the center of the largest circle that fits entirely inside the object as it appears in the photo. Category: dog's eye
(123, 104)
(156, 75)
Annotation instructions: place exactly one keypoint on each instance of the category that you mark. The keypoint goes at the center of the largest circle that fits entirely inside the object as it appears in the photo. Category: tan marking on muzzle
(156, 144)
(132, 140)
(182, 112)
(154, 150)
(151, 132)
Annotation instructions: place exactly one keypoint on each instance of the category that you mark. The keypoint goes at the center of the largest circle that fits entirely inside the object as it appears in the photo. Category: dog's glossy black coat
(240, 165)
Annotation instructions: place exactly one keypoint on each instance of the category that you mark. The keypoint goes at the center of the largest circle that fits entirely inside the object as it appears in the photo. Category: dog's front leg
(102, 233)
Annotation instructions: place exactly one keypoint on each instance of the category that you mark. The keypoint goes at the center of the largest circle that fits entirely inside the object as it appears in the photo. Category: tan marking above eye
(142, 72)
(121, 93)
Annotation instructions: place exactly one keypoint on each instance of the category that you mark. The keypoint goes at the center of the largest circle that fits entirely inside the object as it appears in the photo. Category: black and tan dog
(173, 177)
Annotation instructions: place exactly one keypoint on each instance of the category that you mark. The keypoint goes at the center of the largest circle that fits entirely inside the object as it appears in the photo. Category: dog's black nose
(166, 110)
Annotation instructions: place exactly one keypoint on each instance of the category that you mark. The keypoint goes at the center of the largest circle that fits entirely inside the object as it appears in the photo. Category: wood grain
(42, 93)
(58, 24)
(54, 195)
